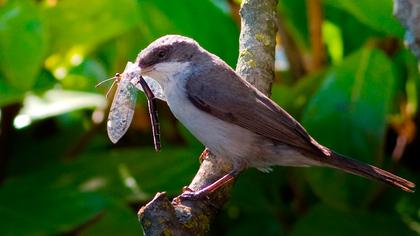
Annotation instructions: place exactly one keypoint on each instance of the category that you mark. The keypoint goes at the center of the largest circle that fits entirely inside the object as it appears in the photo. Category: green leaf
(86, 24)
(85, 76)
(331, 34)
(348, 114)
(168, 170)
(45, 210)
(377, 16)
(294, 15)
(263, 202)
(198, 20)
(65, 195)
(409, 209)
(412, 87)
(349, 26)
(323, 220)
(22, 43)
(9, 94)
(294, 98)
(117, 219)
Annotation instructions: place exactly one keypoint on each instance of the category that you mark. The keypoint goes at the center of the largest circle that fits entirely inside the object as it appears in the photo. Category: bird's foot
(194, 195)
(190, 194)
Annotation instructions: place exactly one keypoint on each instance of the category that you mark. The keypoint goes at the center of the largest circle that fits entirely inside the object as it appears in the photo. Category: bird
(234, 120)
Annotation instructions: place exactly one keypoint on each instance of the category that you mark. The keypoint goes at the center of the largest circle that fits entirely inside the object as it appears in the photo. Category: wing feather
(248, 108)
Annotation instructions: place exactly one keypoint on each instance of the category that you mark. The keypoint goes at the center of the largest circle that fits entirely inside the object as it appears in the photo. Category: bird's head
(168, 56)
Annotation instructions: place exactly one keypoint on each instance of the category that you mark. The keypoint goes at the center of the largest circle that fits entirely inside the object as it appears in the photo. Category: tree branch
(256, 65)
(257, 43)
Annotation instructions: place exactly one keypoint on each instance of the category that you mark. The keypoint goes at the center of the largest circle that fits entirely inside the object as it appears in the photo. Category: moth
(123, 104)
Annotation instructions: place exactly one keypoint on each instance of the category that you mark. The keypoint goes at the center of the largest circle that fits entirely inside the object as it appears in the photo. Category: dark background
(60, 174)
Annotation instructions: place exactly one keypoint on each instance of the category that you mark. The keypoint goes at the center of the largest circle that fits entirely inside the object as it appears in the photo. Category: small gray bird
(233, 119)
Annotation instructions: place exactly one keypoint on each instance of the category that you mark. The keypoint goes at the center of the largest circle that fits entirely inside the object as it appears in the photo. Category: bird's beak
(146, 70)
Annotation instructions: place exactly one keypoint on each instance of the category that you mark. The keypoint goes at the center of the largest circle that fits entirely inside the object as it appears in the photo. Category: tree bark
(408, 12)
(256, 65)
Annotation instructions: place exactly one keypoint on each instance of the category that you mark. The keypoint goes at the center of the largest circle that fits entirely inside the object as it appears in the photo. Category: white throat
(167, 73)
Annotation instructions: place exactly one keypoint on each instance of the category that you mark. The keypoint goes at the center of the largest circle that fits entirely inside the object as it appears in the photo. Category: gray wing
(122, 109)
(248, 108)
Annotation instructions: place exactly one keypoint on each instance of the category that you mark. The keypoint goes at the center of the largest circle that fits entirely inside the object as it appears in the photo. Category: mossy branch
(256, 65)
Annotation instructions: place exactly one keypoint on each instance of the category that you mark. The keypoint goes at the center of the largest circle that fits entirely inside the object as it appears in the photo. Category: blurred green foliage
(60, 175)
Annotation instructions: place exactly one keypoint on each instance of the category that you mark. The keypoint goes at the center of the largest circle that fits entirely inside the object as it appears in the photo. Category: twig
(293, 53)
(256, 65)
(315, 19)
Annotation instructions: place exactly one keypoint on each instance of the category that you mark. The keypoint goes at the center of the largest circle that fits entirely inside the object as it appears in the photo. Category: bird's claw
(190, 194)
(193, 195)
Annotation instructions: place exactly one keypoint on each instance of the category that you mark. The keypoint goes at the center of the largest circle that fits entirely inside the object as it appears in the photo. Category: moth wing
(153, 85)
(122, 109)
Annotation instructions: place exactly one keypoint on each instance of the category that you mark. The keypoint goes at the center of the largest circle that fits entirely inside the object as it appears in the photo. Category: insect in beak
(151, 103)
(116, 79)
(123, 105)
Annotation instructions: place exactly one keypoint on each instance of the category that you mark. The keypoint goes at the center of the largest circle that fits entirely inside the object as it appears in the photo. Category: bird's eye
(161, 54)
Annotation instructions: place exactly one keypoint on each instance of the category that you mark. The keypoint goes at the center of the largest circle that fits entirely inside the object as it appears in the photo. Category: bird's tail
(368, 171)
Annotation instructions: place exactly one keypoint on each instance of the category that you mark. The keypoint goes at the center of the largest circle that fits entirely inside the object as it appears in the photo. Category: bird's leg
(201, 158)
(190, 194)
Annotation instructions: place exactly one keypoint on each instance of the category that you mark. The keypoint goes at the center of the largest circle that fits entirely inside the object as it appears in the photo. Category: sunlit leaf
(377, 16)
(85, 76)
(23, 43)
(349, 26)
(333, 40)
(56, 102)
(413, 83)
(87, 26)
(8, 93)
